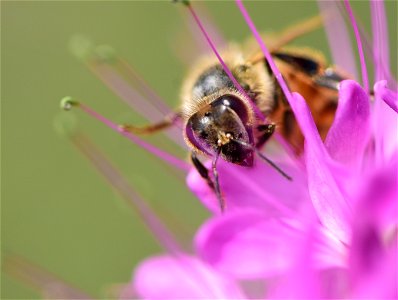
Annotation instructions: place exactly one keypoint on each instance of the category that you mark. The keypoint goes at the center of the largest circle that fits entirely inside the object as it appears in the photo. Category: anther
(67, 103)
(122, 128)
(81, 47)
(105, 53)
(185, 2)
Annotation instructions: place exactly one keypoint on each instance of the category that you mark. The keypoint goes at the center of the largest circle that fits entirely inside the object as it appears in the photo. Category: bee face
(215, 127)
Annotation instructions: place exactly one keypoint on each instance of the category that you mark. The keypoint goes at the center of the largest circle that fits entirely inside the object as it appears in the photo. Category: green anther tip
(67, 103)
(105, 53)
(81, 46)
(185, 2)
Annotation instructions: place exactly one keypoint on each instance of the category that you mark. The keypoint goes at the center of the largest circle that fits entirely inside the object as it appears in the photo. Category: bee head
(217, 124)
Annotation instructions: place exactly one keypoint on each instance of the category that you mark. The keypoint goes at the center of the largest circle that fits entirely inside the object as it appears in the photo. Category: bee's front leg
(153, 128)
(204, 173)
(202, 170)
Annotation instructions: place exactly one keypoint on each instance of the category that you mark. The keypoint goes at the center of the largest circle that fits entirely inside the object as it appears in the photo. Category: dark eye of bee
(235, 104)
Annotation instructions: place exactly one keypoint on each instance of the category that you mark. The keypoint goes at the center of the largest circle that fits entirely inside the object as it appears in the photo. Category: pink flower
(331, 232)
(320, 188)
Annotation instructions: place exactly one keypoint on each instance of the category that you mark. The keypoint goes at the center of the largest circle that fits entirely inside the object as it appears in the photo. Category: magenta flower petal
(184, 277)
(373, 256)
(304, 281)
(376, 211)
(381, 283)
(247, 244)
(349, 135)
(259, 187)
(300, 280)
(326, 195)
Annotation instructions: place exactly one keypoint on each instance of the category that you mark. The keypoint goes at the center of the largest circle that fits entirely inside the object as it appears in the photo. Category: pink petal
(349, 135)
(301, 280)
(306, 278)
(376, 213)
(381, 283)
(258, 187)
(247, 244)
(304, 282)
(182, 277)
(326, 195)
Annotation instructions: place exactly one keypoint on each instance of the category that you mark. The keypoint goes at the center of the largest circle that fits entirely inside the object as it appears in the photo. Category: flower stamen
(48, 284)
(67, 103)
(265, 51)
(187, 3)
(365, 80)
(121, 78)
(144, 211)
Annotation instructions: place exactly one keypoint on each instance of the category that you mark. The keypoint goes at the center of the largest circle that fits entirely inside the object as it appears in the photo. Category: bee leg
(204, 173)
(153, 128)
(216, 182)
(330, 79)
(266, 131)
(297, 30)
(288, 35)
(202, 170)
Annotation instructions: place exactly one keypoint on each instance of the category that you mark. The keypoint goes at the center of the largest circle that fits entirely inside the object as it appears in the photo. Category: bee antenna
(216, 181)
(263, 157)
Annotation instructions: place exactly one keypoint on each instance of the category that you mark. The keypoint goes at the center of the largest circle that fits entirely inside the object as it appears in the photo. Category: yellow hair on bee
(258, 81)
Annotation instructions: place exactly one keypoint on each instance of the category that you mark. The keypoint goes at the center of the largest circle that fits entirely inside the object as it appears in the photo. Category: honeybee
(218, 121)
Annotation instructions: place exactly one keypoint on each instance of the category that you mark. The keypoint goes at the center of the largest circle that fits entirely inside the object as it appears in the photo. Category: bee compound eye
(226, 102)
(234, 103)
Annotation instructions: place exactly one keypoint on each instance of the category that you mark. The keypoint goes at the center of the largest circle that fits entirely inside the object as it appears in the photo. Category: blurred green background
(56, 210)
